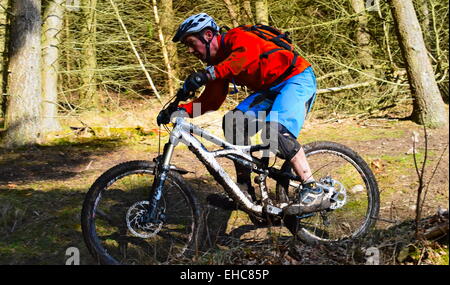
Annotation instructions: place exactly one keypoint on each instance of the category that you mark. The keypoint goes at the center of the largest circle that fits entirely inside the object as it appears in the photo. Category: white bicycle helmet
(195, 24)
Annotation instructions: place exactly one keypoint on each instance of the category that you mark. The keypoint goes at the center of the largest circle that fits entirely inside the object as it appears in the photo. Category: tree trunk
(52, 27)
(363, 37)
(4, 23)
(428, 106)
(232, 12)
(425, 18)
(436, 43)
(168, 28)
(89, 97)
(23, 109)
(170, 81)
(262, 12)
(246, 13)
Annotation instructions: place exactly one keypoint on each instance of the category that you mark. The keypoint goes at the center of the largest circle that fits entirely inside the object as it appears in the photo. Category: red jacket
(238, 59)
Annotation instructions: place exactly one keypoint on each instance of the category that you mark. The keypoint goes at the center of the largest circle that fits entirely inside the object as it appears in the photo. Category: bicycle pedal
(273, 210)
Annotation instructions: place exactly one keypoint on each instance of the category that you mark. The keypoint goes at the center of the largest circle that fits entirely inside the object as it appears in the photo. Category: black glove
(195, 81)
(163, 117)
(183, 95)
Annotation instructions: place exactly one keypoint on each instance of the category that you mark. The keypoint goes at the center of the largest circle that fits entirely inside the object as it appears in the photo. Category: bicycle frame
(183, 132)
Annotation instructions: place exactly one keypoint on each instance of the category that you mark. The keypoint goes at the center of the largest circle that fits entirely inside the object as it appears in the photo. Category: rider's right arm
(210, 100)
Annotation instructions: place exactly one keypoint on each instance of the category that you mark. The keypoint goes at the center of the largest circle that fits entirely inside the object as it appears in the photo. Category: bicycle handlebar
(165, 114)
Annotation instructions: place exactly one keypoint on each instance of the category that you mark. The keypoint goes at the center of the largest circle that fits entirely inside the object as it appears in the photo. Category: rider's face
(198, 48)
(195, 47)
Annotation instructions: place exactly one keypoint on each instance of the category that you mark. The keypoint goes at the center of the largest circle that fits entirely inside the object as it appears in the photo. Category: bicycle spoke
(120, 230)
(343, 170)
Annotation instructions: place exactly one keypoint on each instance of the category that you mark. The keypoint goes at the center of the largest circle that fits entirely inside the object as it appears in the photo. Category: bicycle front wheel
(358, 205)
(119, 198)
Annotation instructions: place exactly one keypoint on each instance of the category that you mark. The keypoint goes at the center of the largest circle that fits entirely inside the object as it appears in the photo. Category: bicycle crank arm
(272, 210)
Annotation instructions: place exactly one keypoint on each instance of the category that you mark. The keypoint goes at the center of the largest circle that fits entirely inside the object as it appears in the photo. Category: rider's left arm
(211, 99)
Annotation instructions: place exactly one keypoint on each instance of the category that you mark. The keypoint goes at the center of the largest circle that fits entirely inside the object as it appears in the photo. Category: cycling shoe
(312, 198)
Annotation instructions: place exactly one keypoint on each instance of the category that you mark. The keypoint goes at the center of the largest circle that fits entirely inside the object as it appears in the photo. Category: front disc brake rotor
(134, 218)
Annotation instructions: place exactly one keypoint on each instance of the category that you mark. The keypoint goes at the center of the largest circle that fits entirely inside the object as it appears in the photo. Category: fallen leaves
(378, 166)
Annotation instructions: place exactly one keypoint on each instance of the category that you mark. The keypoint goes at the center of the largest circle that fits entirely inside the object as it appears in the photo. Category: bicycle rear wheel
(359, 199)
(116, 201)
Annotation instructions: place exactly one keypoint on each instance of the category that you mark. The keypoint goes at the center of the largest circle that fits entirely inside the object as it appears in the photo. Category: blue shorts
(290, 107)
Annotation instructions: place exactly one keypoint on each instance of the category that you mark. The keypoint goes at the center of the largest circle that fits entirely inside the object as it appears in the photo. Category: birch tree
(3, 54)
(23, 108)
(51, 36)
(168, 28)
(246, 12)
(261, 12)
(164, 48)
(89, 97)
(428, 106)
(425, 18)
(362, 36)
(232, 12)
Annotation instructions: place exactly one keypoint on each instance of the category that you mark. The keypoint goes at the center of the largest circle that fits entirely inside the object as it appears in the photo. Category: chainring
(337, 192)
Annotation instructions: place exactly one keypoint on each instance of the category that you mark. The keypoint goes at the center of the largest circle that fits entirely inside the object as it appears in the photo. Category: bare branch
(346, 87)
(135, 51)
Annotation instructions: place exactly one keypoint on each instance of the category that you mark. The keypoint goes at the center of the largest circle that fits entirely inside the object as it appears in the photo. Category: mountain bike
(144, 212)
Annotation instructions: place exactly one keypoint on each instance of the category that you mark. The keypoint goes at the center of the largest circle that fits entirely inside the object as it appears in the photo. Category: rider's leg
(287, 147)
(301, 166)
(235, 128)
(311, 196)
(289, 109)
(238, 128)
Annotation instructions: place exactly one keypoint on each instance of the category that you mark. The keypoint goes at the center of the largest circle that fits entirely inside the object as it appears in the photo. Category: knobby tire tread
(112, 175)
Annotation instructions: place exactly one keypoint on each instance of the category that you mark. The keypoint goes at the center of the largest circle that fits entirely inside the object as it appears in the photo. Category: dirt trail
(42, 188)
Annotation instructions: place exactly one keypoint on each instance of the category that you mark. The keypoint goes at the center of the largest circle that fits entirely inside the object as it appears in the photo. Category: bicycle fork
(161, 170)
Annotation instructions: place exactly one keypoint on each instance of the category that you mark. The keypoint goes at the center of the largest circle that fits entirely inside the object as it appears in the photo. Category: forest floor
(42, 189)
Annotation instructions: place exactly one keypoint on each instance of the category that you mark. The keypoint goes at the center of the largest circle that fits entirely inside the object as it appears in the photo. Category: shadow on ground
(50, 162)
(37, 227)
(42, 189)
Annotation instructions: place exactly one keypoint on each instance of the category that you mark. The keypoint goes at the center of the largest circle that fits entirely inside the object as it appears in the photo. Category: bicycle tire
(310, 231)
(93, 215)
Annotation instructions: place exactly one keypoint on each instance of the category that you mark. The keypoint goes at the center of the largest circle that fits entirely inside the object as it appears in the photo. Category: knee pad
(239, 127)
(233, 126)
(281, 140)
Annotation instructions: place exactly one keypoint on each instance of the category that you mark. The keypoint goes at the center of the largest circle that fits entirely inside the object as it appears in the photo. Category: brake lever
(164, 115)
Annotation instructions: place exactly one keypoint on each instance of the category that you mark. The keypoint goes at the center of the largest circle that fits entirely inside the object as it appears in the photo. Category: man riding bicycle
(284, 88)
